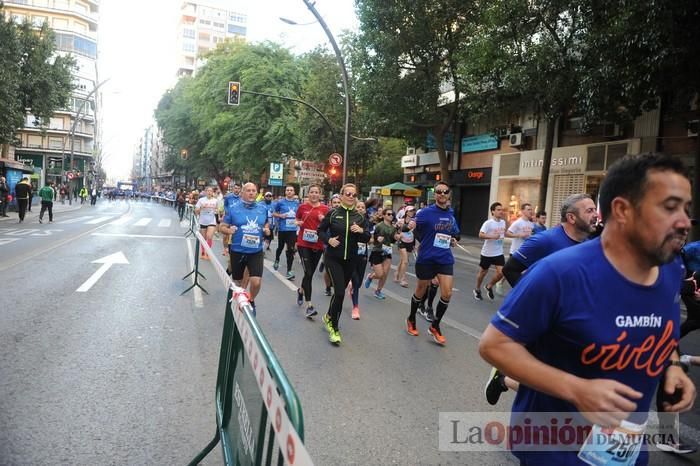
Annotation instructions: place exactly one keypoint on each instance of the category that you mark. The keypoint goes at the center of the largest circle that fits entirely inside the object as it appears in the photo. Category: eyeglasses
(442, 191)
(389, 215)
(350, 194)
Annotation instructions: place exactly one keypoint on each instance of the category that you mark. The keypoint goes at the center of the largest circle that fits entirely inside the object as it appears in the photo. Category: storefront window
(513, 193)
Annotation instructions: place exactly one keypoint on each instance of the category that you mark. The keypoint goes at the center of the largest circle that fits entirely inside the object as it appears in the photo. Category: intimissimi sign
(556, 162)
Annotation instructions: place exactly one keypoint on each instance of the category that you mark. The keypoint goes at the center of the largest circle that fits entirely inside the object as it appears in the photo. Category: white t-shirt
(493, 247)
(519, 227)
(208, 209)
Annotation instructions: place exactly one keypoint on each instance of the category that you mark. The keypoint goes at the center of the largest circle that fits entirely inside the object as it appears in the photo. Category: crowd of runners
(579, 291)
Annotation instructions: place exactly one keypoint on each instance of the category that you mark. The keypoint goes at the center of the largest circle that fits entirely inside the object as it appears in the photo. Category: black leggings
(357, 276)
(309, 262)
(288, 238)
(340, 272)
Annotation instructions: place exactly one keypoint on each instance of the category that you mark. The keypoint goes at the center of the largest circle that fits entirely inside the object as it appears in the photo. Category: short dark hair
(494, 205)
(525, 204)
(440, 183)
(540, 213)
(628, 178)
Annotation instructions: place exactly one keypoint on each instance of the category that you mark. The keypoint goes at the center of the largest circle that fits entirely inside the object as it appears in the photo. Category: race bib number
(310, 236)
(407, 236)
(361, 249)
(607, 446)
(290, 222)
(386, 250)
(442, 241)
(250, 241)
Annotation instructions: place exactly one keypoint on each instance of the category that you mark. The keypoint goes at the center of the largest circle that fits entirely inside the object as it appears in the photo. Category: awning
(16, 165)
(399, 189)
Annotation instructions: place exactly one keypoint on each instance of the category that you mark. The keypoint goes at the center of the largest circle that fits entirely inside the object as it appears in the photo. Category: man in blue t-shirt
(604, 322)
(285, 211)
(246, 222)
(540, 222)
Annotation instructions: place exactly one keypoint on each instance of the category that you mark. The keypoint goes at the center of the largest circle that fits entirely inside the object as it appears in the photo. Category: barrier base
(196, 281)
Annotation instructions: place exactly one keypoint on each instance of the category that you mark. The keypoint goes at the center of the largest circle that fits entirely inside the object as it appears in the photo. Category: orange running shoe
(437, 335)
(411, 328)
(356, 313)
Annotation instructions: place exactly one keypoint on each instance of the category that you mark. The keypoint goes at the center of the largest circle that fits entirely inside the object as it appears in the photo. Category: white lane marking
(122, 220)
(127, 235)
(197, 296)
(143, 222)
(76, 219)
(8, 240)
(165, 222)
(107, 262)
(97, 220)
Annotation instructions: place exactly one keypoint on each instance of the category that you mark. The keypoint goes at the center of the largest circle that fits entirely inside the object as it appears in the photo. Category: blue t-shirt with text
(289, 209)
(542, 245)
(574, 311)
(249, 219)
(434, 229)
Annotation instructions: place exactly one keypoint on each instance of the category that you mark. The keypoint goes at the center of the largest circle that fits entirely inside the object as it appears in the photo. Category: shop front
(470, 198)
(574, 169)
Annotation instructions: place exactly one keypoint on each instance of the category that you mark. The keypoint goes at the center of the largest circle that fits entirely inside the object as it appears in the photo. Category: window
(55, 143)
(81, 8)
(219, 25)
(60, 23)
(205, 22)
(61, 4)
(188, 46)
(34, 141)
(80, 27)
(18, 19)
(56, 123)
(70, 43)
(38, 21)
(237, 18)
(188, 33)
(217, 39)
(233, 29)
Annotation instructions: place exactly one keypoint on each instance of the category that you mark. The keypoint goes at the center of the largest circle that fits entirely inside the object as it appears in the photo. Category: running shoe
(328, 291)
(404, 284)
(300, 297)
(40, 221)
(355, 313)
(427, 313)
(379, 295)
(321, 267)
(477, 295)
(310, 312)
(437, 335)
(334, 337)
(499, 288)
(327, 321)
(290, 275)
(368, 280)
(677, 448)
(276, 265)
(411, 328)
(489, 293)
(495, 386)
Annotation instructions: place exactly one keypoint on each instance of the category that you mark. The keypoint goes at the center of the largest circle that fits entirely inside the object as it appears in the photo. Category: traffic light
(332, 175)
(234, 89)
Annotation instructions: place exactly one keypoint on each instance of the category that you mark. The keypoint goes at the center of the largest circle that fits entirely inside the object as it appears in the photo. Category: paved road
(124, 372)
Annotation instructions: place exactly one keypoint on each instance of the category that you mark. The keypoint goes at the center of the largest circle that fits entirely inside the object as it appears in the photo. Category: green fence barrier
(258, 415)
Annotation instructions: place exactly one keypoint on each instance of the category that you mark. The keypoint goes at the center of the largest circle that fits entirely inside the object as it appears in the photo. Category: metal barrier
(197, 244)
(258, 415)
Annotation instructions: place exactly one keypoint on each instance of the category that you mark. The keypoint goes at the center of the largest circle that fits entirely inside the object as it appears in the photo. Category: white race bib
(250, 241)
(291, 222)
(310, 236)
(386, 250)
(442, 241)
(407, 236)
(619, 446)
(361, 249)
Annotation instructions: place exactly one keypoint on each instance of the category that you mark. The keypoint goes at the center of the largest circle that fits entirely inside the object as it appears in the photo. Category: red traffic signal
(234, 89)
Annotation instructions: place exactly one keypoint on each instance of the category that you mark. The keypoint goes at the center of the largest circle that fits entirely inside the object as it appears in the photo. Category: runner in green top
(385, 234)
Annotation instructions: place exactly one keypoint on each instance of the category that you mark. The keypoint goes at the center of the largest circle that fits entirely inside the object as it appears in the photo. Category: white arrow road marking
(107, 261)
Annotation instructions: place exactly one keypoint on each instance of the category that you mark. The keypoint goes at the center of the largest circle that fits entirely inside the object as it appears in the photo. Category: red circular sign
(335, 159)
(70, 175)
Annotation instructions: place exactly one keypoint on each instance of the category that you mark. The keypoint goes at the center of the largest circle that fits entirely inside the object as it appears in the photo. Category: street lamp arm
(318, 112)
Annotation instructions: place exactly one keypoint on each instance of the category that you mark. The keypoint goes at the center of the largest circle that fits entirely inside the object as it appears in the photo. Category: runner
(309, 216)
(286, 211)
(406, 243)
(270, 206)
(359, 273)
(572, 327)
(205, 209)
(246, 221)
(492, 232)
(436, 230)
(335, 203)
(384, 236)
(540, 222)
(341, 230)
(230, 199)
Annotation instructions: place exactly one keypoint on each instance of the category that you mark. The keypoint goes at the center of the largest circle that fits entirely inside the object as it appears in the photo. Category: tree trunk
(442, 156)
(546, 163)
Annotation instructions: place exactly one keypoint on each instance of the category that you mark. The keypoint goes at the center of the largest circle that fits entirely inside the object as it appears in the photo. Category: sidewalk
(33, 216)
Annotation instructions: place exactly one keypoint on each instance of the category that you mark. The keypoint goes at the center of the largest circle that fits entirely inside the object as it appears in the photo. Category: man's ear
(621, 210)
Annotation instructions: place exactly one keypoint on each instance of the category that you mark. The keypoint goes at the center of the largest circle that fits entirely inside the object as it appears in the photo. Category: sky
(137, 57)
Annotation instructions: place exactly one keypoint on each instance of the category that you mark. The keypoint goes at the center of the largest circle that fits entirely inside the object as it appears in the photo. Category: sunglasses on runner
(442, 191)
(350, 194)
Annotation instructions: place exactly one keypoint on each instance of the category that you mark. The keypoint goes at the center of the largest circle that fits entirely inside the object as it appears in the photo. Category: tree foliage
(34, 78)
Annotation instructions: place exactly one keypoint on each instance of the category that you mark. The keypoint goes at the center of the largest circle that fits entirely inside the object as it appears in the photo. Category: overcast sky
(136, 44)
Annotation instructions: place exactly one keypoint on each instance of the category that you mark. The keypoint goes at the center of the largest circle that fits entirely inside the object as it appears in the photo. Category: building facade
(202, 26)
(62, 150)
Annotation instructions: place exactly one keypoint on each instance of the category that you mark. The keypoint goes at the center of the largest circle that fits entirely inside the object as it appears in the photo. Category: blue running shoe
(310, 312)
(379, 295)
(368, 280)
(300, 297)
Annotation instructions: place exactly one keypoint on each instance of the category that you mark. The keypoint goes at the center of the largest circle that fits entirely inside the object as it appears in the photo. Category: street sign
(335, 159)
(276, 174)
(70, 175)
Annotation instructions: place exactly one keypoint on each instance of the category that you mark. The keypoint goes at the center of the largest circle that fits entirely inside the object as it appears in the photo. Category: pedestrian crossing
(126, 220)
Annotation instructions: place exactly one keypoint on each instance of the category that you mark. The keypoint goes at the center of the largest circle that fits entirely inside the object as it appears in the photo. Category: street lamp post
(341, 63)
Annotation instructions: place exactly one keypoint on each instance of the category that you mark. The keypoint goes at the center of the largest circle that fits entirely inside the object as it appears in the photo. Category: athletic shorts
(487, 262)
(204, 227)
(429, 271)
(407, 246)
(239, 262)
(377, 257)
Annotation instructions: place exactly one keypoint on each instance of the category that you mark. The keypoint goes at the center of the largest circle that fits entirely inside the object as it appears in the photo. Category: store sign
(409, 160)
(480, 143)
(556, 162)
(471, 176)
(571, 159)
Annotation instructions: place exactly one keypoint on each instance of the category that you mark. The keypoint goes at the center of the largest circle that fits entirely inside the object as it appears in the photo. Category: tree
(34, 78)
(386, 166)
(406, 64)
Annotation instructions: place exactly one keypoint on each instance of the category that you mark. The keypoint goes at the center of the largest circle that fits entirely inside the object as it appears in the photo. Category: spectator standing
(47, 194)
(22, 192)
(4, 196)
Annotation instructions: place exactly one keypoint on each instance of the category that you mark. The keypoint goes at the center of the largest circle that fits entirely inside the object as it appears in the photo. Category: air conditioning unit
(693, 128)
(515, 139)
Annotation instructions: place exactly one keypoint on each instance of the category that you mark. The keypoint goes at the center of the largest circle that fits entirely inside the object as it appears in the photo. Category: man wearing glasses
(437, 231)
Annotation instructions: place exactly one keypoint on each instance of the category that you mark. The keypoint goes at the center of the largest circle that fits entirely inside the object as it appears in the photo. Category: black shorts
(204, 227)
(377, 257)
(239, 262)
(487, 262)
(429, 271)
(407, 246)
